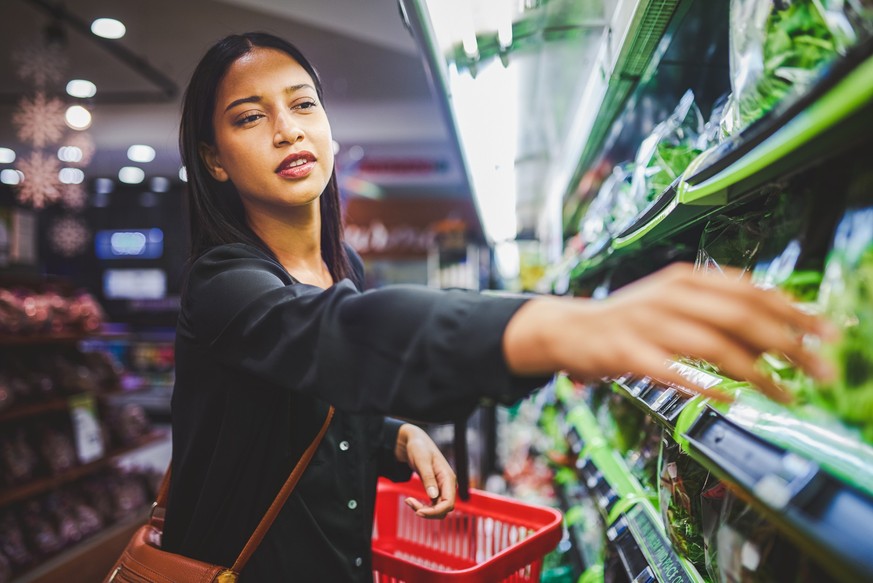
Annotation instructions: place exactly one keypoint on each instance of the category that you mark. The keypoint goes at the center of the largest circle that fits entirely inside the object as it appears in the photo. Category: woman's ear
(210, 158)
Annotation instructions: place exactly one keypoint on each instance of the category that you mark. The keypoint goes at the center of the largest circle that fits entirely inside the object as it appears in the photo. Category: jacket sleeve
(408, 351)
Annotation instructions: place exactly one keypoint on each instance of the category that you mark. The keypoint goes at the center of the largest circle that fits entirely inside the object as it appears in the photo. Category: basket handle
(462, 461)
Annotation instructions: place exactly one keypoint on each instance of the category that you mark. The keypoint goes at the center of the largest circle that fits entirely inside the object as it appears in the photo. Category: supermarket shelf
(40, 485)
(645, 550)
(834, 116)
(826, 517)
(665, 403)
(89, 560)
(645, 27)
(41, 339)
(829, 121)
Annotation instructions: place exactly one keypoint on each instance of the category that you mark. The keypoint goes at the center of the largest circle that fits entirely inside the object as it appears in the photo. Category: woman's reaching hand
(674, 312)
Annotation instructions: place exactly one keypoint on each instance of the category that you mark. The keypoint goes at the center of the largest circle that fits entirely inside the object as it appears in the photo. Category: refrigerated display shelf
(645, 551)
(831, 122)
(823, 515)
(832, 118)
(663, 402)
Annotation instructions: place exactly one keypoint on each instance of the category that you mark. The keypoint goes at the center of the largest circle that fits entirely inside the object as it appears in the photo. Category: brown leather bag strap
(157, 517)
(284, 493)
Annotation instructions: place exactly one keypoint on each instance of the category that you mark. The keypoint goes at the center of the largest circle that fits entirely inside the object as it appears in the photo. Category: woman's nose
(287, 131)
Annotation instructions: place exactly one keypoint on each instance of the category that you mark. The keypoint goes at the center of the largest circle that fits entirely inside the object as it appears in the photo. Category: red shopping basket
(486, 538)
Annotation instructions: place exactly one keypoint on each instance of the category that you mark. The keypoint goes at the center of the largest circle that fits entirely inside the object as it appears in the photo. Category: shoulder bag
(143, 560)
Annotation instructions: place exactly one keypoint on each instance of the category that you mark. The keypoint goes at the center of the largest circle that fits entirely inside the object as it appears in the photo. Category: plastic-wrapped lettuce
(690, 500)
(608, 206)
(777, 49)
(665, 153)
(752, 550)
(846, 297)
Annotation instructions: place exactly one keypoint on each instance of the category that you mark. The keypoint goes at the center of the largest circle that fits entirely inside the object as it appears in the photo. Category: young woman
(273, 329)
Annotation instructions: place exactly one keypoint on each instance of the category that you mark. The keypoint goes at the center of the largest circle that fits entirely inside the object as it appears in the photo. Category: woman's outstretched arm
(674, 312)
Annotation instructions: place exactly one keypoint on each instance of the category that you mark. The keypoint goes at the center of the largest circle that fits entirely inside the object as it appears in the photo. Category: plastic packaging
(846, 297)
(777, 49)
(690, 500)
(608, 208)
(752, 550)
(665, 154)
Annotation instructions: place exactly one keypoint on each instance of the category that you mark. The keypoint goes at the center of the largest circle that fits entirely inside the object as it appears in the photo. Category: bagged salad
(665, 154)
(778, 48)
(846, 297)
(690, 498)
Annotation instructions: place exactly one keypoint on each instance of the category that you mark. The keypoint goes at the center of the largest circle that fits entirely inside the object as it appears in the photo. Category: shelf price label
(86, 428)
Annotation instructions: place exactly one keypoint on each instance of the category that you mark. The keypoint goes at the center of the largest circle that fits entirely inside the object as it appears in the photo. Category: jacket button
(353, 504)
(344, 445)
(359, 561)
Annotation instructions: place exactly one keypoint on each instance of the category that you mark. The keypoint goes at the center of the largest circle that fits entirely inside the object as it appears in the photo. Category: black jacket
(258, 358)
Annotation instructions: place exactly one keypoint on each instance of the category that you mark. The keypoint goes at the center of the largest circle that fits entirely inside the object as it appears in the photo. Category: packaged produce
(665, 154)
(846, 297)
(751, 549)
(690, 500)
(777, 49)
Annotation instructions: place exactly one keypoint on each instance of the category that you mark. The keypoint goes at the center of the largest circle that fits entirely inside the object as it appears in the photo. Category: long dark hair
(215, 211)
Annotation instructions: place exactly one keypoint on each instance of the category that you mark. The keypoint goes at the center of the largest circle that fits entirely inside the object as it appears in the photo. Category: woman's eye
(306, 105)
(248, 118)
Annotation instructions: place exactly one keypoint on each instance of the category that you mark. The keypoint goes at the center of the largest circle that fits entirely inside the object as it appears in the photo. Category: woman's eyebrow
(258, 98)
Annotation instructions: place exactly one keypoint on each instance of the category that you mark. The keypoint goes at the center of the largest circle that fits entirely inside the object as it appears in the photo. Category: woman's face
(272, 136)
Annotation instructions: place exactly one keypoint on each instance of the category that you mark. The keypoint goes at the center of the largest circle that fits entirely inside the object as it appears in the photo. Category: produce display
(690, 499)
(846, 297)
(777, 49)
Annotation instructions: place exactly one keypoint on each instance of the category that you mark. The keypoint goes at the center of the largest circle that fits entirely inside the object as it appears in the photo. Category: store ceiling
(377, 93)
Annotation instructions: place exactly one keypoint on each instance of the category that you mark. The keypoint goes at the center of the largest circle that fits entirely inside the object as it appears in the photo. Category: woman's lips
(298, 171)
(297, 165)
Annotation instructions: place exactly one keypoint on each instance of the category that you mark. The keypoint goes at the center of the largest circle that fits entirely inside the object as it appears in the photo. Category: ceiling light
(108, 28)
(183, 174)
(140, 153)
(71, 176)
(104, 185)
(78, 118)
(81, 88)
(7, 156)
(159, 184)
(70, 154)
(131, 175)
(11, 177)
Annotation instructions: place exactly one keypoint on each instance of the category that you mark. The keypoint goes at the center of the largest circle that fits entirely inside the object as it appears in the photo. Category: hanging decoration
(43, 64)
(40, 185)
(40, 122)
(69, 236)
(84, 143)
(39, 119)
(73, 197)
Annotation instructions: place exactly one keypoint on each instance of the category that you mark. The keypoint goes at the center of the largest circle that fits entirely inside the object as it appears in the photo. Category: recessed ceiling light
(159, 184)
(71, 176)
(131, 175)
(140, 153)
(81, 88)
(104, 185)
(70, 154)
(11, 177)
(108, 28)
(7, 156)
(78, 118)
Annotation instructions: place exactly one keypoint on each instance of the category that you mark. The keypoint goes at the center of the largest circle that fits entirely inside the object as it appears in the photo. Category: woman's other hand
(416, 448)
(675, 312)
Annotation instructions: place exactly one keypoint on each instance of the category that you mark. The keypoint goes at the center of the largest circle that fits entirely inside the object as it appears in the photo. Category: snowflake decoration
(85, 143)
(40, 120)
(43, 64)
(73, 197)
(40, 185)
(69, 236)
